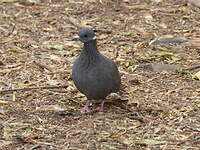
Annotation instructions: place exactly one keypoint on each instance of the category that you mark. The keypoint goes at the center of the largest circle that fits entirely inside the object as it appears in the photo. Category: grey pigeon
(94, 75)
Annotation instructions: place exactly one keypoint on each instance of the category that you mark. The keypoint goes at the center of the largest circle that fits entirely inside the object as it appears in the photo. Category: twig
(74, 22)
(135, 116)
(169, 40)
(42, 66)
(35, 147)
(31, 88)
(9, 33)
(191, 68)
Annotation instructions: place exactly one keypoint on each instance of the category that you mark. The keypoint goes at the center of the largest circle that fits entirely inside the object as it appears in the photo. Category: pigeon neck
(90, 48)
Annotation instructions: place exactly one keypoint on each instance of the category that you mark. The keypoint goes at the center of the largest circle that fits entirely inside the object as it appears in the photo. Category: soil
(39, 104)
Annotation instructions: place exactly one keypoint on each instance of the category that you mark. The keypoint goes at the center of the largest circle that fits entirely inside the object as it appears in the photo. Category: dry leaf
(122, 139)
(53, 82)
(193, 43)
(195, 2)
(196, 76)
(3, 102)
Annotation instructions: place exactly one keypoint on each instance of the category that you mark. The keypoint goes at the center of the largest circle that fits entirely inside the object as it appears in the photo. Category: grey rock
(169, 40)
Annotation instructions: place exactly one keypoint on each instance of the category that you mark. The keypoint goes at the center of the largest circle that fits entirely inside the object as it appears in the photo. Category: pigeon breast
(95, 75)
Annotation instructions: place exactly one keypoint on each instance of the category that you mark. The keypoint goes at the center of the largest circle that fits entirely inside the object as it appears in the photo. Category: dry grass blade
(31, 88)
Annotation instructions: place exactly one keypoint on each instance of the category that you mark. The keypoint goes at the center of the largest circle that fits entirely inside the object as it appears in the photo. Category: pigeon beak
(75, 38)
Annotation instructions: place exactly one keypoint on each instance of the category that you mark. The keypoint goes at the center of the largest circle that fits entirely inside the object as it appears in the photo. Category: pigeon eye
(85, 35)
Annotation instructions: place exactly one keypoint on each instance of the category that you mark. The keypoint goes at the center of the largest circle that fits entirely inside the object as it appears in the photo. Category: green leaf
(183, 72)
(64, 53)
(161, 54)
(176, 58)
(42, 55)
(56, 47)
(103, 134)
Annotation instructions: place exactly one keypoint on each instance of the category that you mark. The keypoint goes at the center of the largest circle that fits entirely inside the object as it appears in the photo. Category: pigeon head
(85, 35)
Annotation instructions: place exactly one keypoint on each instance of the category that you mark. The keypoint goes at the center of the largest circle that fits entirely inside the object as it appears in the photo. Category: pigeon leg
(86, 109)
(102, 104)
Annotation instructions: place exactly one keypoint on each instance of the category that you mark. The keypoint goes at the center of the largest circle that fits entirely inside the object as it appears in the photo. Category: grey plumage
(93, 74)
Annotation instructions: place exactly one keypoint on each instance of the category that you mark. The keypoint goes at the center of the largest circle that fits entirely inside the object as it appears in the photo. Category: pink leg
(86, 109)
(102, 104)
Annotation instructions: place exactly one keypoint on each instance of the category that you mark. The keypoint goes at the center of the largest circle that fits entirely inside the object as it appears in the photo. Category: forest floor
(159, 104)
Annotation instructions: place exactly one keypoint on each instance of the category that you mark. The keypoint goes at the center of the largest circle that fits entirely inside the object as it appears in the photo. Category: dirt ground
(157, 109)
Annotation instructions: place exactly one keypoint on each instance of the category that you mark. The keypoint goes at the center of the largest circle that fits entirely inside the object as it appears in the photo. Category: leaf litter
(155, 109)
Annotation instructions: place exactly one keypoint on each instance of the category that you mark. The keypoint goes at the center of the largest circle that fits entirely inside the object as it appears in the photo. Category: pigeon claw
(85, 110)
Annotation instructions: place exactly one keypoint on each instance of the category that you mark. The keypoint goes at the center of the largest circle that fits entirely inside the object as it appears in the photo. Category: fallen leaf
(103, 134)
(53, 82)
(148, 17)
(160, 54)
(40, 55)
(8, 1)
(28, 84)
(162, 25)
(157, 1)
(56, 47)
(9, 70)
(195, 2)
(139, 6)
(193, 43)
(73, 20)
(28, 3)
(55, 108)
(52, 57)
(5, 143)
(55, 57)
(196, 76)
(177, 58)
(71, 45)
(3, 102)
(152, 142)
(122, 139)
(64, 53)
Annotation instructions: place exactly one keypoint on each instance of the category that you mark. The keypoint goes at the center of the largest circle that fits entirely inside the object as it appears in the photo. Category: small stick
(8, 34)
(42, 66)
(31, 88)
(74, 22)
(191, 68)
(35, 147)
